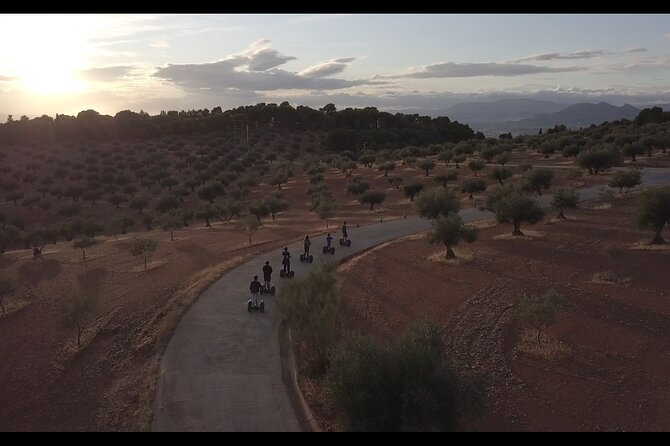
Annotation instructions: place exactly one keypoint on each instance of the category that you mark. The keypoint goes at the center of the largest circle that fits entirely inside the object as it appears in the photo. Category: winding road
(222, 368)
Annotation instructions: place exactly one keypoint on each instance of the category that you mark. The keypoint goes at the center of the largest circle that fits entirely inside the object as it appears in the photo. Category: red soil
(602, 366)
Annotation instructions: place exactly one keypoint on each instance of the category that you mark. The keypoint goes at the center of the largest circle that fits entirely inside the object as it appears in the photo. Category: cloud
(634, 50)
(584, 54)
(222, 75)
(260, 57)
(452, 69)
(7, 78)
(106, 74)
(328, 68)
(261, 74)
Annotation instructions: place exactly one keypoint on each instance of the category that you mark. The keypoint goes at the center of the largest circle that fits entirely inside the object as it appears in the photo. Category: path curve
(221, 370)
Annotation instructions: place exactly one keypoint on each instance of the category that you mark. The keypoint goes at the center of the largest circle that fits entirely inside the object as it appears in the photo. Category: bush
(539, 312)
(405, 385)
(312, 308)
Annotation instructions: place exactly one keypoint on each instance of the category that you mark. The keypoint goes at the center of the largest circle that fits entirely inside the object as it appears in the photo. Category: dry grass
(643, 245)
(610, 278)
(462, 257)
(528, 234)
(548, 348)
(152, 264)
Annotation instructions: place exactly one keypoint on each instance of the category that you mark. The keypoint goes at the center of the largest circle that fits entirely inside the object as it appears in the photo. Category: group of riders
(256, 286)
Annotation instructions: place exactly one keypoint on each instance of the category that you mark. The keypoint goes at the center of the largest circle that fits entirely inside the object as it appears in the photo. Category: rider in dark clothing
(267, 274)
(286, 260)
(329, 240)
(307, 244)
(344, 231)
(255, 288)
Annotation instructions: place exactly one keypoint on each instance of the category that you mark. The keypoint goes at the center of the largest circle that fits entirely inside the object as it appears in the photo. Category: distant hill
(581, 115)
(501, 110)
(665, 107)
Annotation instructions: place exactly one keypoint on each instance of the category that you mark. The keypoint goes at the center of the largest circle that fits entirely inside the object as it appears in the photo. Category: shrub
(405, 385)
(312, 308)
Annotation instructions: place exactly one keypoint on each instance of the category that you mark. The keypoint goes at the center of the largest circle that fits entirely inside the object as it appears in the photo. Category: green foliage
(510, 205)
(405, 385)
(653, 211)
(412, 189)
(143, 247)
(436, 202)
(84, 243)
(372, 197)
(458, 159)
(77, 311)
(207, 212)
(539, 312)
(249, 225)
(537, 179)
(312, 308)
(211, 191)
(445, 177)
(171, 222)
(473, 186)
(278, 180)
(446, 156)
(386, 167)
(565, 199)
(449, 231)
(396, 180)
(274, 205)
(596, 160)
(426, 165)
(167, 204)
(258, 209)
(476, 166)
(500, 174)
(625, 178)
(139, 203)
(357, 187)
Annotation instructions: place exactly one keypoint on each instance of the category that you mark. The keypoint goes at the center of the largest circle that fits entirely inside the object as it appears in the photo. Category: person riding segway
(328, 248)
(344, 241)
(253, 303)
(267, 278)
(306, 257)
(286, 261)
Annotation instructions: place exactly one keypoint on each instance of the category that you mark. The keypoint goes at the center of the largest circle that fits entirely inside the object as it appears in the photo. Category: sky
(57, 63)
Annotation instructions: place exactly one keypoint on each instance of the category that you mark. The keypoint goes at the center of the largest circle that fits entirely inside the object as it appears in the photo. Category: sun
(48, 58)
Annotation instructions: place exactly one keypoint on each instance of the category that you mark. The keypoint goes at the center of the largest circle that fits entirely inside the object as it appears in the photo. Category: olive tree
(435, 202)
(564, 199)
(77, 311)
(449, 230)
(372, 197)
(539, 312)
(500, 173)
(444, 178)
(625, 178)
(473, 186)
(143, 247)
(510, 205)
(653, 211)
(412, 189)
(83, 243)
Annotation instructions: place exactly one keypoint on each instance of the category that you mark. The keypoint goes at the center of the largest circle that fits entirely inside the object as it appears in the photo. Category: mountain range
(529, 115)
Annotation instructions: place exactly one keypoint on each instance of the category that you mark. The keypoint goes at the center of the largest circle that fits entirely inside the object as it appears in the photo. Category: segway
(287, 275)
(304, 258)
(327, 250)
(270, 291)
(345, 243)
(251, 307)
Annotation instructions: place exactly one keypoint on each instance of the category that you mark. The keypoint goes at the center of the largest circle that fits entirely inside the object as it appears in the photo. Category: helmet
(255, 277)
(329, 233)
(267, 262)
(285, 248)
